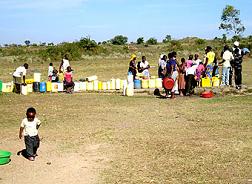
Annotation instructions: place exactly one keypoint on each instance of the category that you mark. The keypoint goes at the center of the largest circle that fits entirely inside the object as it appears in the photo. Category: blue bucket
(137, 84)
(42, 87)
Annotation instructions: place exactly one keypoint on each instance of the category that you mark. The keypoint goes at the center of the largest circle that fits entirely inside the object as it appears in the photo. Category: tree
(167, 39)
(119, 40)
(140, 40)
(27, 42)
(87, 43)
(152, 41)
(231, 21)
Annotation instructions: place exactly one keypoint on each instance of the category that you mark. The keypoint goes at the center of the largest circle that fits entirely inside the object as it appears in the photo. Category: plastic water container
(215, 81)
(37, 77)
(152, 83)
(145, 83)
(61, 77)
(42, 87)
(118, 84)
(29, 88)
(137, 84)
(24, 90)
(96, 82)
(104, 86)
(83, 86)
(130, 78)
(130, 90)
(7, 87)
(113, 84)
(108, 85)
(121, 84)
(76, 86)
(124, 87)
(90, 86)
(54, 87)
(206, 82)
(35, 86)
(91, 78)
(158, 83)
(60, 87)
(1, 85)
(48, 86)
(99, 85)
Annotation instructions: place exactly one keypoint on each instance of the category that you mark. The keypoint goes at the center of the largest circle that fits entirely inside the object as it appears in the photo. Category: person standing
(227, 56)
(19, 77)
(132, 66)
(209, 61)
(238, 54)
(64, 64)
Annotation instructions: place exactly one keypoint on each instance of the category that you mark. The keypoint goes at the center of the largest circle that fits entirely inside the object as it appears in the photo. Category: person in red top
(68, 80)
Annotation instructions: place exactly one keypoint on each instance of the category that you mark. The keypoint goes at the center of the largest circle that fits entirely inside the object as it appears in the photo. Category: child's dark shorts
(31, 144)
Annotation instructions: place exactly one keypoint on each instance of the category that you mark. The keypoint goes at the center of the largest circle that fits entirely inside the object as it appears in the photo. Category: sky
(70, 20)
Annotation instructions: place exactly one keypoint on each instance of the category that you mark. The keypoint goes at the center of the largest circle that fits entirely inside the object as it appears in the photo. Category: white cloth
(197, 62)
(162, 63)
(20, 71)
(65, 65)
(30, 127)
(227, 56)
(50, 71)
(175, 78)
(191, 70)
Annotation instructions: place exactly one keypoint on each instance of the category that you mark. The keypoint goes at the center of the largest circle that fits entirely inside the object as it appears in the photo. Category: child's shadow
(23, 153)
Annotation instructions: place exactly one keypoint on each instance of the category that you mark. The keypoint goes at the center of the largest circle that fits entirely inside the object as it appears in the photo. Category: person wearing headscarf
(132, 66)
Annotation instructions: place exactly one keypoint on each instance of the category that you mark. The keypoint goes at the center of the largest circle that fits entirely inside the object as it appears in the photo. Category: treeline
(118, 44)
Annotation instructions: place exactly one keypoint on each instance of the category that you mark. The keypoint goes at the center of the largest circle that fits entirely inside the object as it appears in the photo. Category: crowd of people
(187, 73)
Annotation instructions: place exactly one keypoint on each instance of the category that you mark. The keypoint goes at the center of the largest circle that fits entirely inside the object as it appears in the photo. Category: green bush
(119, 40)
(151, 41)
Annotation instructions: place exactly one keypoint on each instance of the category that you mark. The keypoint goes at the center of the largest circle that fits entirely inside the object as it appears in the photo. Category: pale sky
(69, 20)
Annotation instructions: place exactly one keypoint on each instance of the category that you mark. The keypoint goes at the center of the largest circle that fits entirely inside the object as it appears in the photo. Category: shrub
(152, 41)
(119, 40)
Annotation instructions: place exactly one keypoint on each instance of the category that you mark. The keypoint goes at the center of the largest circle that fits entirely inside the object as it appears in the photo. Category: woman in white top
(226, 66)
(64, 64)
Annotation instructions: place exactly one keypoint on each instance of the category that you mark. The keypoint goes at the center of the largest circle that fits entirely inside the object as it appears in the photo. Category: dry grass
(148, 140)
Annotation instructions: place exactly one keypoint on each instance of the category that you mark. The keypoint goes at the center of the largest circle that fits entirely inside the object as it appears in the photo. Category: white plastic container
(118, 84)
(158, 83)
(37, 77)
(124, 87)
(24, 90)
(108, 85)
(104, 86)
(90, 86)
(113, 84)
(91, 78)
(76, 86)
(130, 90)
(96, 82)
(83, 86)
(29, 88)
(60, 87)
(54, 87)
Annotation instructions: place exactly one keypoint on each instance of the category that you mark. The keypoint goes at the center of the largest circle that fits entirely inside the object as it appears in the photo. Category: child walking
(68, 80)
(29, 128)
(50, 72)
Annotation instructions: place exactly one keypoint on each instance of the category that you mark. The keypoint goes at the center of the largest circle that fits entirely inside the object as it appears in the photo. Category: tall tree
(230, 20)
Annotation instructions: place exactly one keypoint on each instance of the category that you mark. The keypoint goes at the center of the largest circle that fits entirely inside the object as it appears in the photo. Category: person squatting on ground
(19, 77)
(227, 57)
(29, 128)
(144, 66)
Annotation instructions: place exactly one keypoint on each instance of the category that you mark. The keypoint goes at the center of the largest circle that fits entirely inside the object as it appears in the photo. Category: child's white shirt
(30, 127)
(50, 71)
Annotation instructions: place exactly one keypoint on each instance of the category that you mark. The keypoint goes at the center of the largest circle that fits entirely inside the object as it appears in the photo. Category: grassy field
(108, 138)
